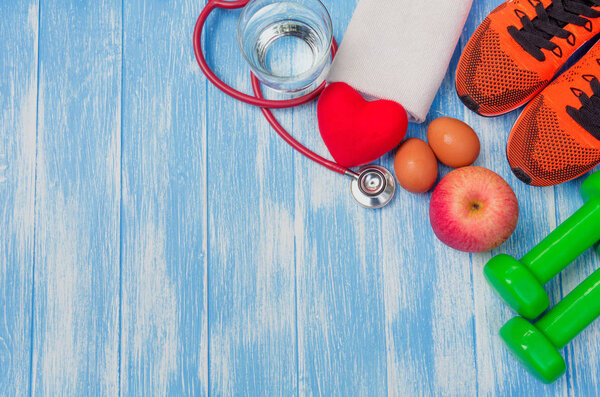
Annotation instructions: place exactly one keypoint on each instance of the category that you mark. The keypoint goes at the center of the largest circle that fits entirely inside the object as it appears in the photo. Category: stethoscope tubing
(293, 142)
(258, 100)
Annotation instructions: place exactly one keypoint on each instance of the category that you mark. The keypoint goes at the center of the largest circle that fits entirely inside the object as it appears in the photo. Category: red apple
(473, 210)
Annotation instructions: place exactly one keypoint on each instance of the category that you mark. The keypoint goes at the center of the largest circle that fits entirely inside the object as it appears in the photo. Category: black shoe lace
(536, 33)
(588, 116)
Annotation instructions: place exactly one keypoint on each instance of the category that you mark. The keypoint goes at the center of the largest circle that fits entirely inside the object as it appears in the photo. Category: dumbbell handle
(567, 242)
(574, 313)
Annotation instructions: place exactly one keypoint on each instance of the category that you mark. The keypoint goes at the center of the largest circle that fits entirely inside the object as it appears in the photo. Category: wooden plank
(18, 115)
(429, 298)
(76, 289)
(164, 297)
(251, 195)
(340, 270)
(498, 373)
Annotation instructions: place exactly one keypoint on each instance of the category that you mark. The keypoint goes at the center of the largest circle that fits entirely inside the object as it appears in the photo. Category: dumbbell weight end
(517, 286)
(520, 283)
(533, 350)
(536, 345)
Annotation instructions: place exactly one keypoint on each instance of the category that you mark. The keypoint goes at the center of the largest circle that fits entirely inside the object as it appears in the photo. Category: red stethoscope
(372, 187)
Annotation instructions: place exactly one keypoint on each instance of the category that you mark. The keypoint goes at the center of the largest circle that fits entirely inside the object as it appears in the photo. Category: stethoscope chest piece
(374, 187)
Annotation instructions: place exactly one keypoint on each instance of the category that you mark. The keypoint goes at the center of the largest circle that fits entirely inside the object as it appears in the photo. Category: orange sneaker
(557, 138)
(519, 48)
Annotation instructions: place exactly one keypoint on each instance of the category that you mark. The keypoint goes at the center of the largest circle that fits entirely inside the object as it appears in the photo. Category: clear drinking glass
(286, 42)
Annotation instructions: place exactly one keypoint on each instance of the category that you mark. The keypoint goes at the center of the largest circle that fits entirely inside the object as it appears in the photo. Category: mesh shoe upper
(496, 74)
(547, 146)
(490, 77)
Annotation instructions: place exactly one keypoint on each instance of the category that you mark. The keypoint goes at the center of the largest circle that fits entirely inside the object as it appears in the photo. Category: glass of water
(286, 42)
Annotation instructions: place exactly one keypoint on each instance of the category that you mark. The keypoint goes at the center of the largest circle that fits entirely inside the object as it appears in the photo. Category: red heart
(356, 131)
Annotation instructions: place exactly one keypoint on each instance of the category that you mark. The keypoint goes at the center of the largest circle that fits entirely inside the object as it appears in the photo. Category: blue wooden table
(157, 238)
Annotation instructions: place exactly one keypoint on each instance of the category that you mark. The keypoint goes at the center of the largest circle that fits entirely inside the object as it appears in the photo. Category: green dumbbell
(537, 345)
(521, 283)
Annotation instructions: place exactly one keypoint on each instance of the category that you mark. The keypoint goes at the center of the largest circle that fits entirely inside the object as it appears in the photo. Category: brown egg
(454, 143)
(416, 166)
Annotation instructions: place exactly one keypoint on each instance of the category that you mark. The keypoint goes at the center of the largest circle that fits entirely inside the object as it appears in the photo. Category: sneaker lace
(588, 116)
(536, 34)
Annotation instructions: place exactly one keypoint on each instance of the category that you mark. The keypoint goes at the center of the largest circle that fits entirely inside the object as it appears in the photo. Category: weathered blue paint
(75, 336)
(18, 110)
(163, 218)
(157, 238)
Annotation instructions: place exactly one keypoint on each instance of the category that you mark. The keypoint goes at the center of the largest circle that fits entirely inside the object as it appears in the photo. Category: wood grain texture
(18, 111)
(429, 301)
(158, 238)
(252, 319)
(339, 271)
(164, 308)
(76, 289)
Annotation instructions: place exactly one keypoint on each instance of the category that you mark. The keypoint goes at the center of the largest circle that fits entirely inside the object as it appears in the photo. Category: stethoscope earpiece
(373, 187)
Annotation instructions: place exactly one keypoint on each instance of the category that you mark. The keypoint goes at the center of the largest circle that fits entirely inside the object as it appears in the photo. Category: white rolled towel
(400, 50)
